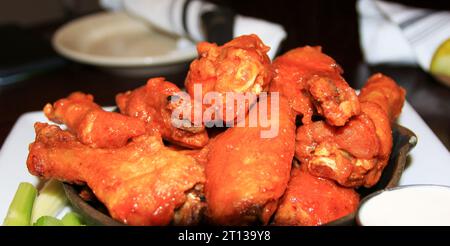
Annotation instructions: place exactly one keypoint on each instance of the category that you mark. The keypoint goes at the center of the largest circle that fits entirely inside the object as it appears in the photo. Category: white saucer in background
(123, 44)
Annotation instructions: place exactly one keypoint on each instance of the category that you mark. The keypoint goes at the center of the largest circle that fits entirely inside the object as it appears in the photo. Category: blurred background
(328, 23)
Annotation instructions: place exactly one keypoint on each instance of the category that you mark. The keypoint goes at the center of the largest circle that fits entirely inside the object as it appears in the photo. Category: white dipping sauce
(415, 205)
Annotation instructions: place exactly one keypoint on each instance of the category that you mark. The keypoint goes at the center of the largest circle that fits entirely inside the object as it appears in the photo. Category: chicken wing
(247, 174)
(152, 104)
(312, 201)
(312, 81)
(354, 154)
(384, 92)
(91, 124)
(238, 66)
(142, 183)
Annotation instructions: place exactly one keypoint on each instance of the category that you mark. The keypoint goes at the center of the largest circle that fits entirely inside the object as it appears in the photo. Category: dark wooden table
(331, 24)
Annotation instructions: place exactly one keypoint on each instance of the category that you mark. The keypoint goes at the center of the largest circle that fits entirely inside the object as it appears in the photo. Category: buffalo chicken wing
(91, 124)
(247, 174)
(354, 154)
(238, 66)
(142, 183)
(310, 201)
(312, 81)
(152, 104)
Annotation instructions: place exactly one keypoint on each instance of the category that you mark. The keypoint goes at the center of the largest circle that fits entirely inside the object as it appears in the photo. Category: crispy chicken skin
(151, 103)
(142, 183)
(91, 124)
(354, 154)
(238, 66)
(312, 201)
(312, 81)
(247, 174)
(384, 92)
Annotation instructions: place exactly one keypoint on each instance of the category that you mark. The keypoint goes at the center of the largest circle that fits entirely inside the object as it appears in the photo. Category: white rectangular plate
(430, 160)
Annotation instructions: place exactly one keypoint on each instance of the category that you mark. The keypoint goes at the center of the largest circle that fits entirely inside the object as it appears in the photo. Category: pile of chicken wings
(148, 171)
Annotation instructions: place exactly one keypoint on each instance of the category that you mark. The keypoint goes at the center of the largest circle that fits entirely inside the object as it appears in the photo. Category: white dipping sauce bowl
(412, 205)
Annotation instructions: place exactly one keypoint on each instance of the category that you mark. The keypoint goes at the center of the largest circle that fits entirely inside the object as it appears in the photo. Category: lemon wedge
(440, 64)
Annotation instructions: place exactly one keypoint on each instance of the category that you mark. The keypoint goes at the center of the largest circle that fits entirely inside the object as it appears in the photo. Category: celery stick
(71, 219)
(48, 221)
(50, 201)
(19, 212)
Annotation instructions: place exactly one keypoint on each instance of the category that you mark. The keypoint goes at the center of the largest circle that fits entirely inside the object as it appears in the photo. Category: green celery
(48, 221)
(19, 212)
(72, 219)
(50, 201)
